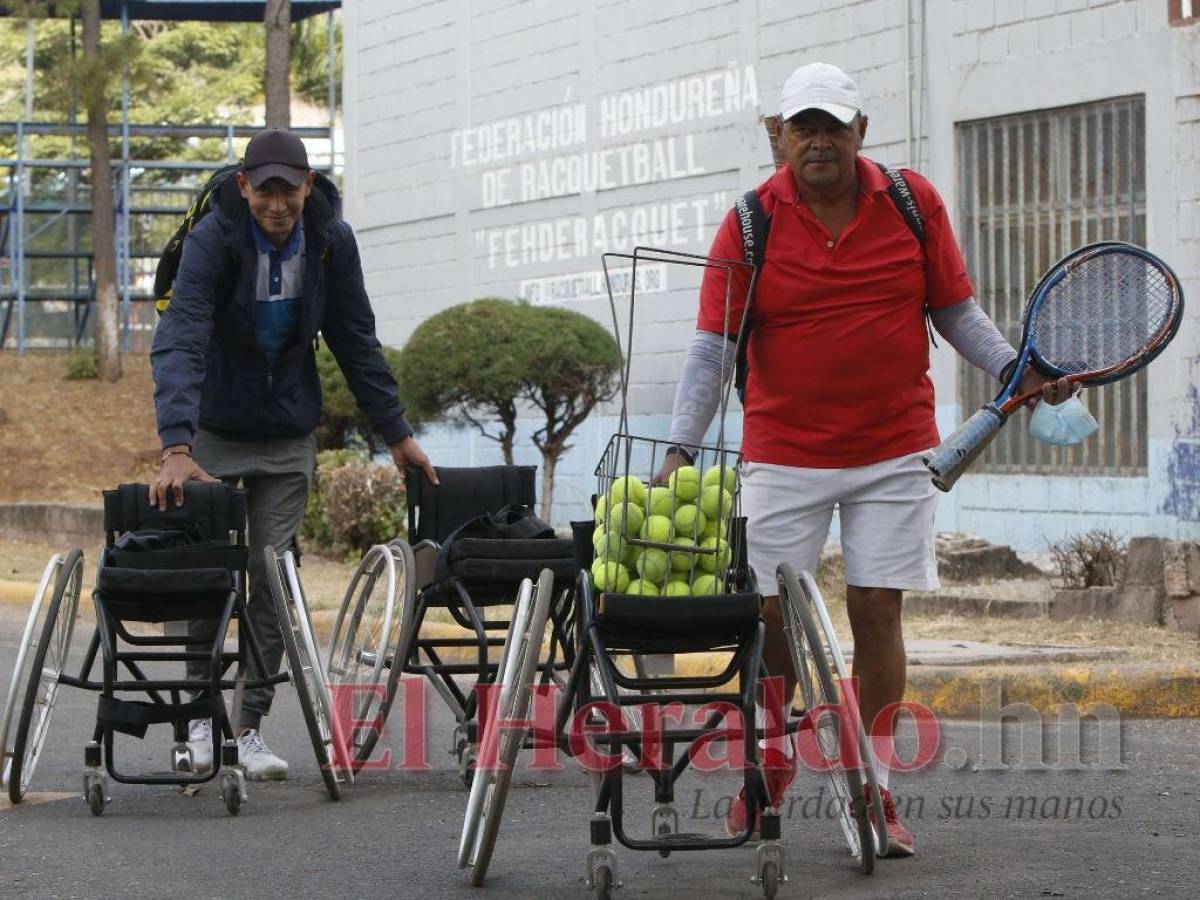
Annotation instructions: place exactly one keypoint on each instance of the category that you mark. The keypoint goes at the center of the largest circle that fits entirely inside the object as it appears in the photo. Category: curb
(1140, 691)
(17, 592)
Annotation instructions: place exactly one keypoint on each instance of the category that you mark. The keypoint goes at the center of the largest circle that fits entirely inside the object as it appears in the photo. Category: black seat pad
(675, 617)
(114, 581)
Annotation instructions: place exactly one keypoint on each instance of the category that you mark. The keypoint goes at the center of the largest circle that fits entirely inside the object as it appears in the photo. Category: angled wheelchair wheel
(370, 640)
(866, 753)
(815, 667)
(486, 809)
(304, 666)
(41, 659)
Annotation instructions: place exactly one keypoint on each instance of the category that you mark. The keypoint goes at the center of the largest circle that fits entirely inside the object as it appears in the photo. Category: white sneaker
(200, 743)
(258, 760)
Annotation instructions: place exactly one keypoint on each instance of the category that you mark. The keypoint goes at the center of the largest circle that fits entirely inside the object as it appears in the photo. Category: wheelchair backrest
(210, 511)
(435, 511)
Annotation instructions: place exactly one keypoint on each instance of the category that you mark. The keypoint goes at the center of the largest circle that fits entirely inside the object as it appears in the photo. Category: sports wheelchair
(186, 563)
(385, 627)
(611, 627)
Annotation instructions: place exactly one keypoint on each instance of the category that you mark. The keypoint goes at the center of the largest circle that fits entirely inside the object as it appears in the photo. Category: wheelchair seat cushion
(163, 595)
(677, 617)
(488, 561)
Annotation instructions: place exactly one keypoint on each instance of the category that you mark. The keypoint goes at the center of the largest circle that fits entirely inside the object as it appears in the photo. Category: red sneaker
(900, 839)
(780, 772)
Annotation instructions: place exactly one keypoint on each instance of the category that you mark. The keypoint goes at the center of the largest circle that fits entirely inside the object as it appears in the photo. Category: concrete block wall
(422, 76)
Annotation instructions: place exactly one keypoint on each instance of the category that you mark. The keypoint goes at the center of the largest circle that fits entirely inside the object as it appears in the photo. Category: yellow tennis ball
(653, 565)
(627, 487)
(610, 576)
(677, 589)
(716, 502)
(681, 560)
(657, 528)
(689, 520)
(629, 558)
(601, 512)
(705, 585)
(608, 544)
(711, 530)
(724, 476)
(659, 502)
(714, 562)
(685, 483)
(627, 518)
(642, 587)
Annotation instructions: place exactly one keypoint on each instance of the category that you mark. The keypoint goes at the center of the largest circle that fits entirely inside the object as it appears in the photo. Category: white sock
(882, 746)
(784, 742)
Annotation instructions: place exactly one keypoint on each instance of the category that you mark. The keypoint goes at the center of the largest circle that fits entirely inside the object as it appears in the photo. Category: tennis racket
(1100, 314)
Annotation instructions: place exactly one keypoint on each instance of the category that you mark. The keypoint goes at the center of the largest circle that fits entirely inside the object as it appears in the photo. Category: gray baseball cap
(275, 153)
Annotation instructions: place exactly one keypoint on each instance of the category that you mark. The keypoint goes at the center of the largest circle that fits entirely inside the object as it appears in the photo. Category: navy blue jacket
(209, 371)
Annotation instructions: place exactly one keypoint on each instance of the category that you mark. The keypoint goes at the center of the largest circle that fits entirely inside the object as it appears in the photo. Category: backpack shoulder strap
(754, 225)
(906, 203)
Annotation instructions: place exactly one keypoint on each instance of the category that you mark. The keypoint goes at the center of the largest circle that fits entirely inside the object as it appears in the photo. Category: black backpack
(168, 260)
(754, 222)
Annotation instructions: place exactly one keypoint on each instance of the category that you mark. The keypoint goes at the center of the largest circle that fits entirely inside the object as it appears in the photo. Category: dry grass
(325, 581)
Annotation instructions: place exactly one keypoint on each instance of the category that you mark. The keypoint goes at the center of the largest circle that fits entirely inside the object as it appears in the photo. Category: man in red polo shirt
(838, 405)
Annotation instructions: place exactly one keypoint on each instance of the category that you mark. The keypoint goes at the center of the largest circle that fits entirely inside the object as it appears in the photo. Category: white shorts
(885, 509)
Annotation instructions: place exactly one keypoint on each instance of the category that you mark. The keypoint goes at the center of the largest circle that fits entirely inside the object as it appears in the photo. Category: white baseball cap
(820, 86)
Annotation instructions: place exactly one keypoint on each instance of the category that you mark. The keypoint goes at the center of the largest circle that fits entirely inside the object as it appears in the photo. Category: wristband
(676, 450)
(175, 451)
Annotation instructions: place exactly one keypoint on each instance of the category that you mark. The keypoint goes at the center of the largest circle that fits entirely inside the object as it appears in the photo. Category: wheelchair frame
(107, 641)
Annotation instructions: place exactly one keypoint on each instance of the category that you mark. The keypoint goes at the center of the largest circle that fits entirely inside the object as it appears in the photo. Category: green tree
(342, 423)
(463, 366)
(572, 363)
(479, 363)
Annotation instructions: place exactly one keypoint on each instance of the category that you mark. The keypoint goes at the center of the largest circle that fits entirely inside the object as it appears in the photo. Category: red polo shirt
(839, 350)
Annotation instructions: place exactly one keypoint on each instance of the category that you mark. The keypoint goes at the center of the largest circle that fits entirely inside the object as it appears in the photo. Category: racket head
(1101, 313)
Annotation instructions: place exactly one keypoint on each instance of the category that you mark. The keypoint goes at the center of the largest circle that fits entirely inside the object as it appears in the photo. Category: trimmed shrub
(354, 503)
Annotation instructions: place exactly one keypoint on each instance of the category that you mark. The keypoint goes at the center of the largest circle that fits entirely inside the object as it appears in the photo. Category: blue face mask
(1065, 424)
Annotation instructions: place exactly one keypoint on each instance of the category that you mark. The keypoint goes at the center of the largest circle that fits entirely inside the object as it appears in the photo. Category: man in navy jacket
(236, 390)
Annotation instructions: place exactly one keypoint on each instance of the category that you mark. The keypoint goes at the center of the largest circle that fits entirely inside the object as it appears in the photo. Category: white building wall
(439, 224)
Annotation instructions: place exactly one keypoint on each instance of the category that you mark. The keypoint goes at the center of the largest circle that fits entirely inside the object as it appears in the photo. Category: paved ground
(1084, 831)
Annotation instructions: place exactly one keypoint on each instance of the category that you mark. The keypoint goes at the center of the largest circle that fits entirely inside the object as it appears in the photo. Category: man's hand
(407, 452)
(177, 469)
(670, 463)
(1052, 392)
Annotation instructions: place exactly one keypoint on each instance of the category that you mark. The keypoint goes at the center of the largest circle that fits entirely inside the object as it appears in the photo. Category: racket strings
(1104, 312)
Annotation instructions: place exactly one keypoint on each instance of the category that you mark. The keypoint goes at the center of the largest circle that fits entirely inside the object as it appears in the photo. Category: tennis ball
(714, 562)
(601, 509)
(653, 565)
(689, 520)
(681, 560)
(627, 518)
(724, 476)
(610, 576)
(629, 558)
(677, 589)
(608, 544)
(705, 585)
(685, 483)
(642, 587)
(657, 528)
(627, 487)
(659, 502)
(711, 530)
(716, 502)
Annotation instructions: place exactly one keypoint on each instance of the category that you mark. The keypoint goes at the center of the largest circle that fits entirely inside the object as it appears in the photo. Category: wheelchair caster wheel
(233, 791)
(770, 880)
(467, 757)
(94, 793)
(604, 883)
(664, 829)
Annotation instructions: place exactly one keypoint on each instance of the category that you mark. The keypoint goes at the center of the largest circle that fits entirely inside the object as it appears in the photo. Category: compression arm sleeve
(968, 330)
(698, 396)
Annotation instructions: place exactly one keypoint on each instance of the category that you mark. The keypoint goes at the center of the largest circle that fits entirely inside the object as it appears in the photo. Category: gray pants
(276, 475)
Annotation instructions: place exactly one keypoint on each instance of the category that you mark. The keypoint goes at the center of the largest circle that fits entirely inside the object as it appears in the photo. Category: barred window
(1032, 187)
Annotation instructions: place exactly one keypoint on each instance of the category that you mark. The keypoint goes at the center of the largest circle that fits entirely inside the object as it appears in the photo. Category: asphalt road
(1088, 830)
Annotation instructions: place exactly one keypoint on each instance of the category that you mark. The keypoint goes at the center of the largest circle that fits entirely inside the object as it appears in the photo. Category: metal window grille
(1032, 187)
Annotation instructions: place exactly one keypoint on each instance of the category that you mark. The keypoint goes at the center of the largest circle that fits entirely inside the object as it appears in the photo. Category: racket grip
(954, 455)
